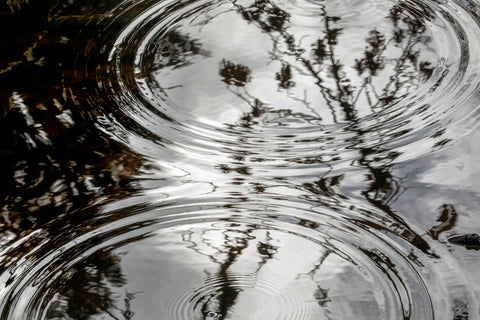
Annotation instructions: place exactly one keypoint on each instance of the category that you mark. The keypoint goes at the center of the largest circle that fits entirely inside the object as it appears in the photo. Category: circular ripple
(250, 295)
(279, 81)
(212, 261)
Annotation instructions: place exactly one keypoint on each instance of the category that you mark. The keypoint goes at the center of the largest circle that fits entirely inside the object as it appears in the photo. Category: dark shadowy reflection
(234, 74)
(174, 50)
(447, 219)
(469, 241)
(88, 292)
(75, 283)
(460, 311)
(54, 160)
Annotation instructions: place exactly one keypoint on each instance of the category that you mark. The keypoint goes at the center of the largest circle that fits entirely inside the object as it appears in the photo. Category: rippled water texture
(290, 159)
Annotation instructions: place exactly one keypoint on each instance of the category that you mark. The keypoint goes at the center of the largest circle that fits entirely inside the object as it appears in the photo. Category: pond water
(240, 159)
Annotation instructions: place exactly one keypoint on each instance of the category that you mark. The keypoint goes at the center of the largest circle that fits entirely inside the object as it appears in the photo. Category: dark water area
(240, 159)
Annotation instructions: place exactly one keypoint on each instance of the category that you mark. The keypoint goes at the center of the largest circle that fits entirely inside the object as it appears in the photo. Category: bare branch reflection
(386, 71)
(224, 252)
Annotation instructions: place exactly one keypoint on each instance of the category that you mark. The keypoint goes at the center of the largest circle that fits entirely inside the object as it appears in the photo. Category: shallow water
(240, 159)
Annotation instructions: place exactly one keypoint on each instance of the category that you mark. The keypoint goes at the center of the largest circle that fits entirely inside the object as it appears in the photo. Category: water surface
(256, 159)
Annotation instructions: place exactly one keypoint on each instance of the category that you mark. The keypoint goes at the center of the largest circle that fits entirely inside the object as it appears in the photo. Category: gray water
(254, 159)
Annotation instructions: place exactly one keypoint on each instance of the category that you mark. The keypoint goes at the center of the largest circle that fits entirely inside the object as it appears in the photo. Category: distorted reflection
(320, 294)
(225, 253)
(54, 160)
(461, 310)
(174, 49)
(234, 74)
(447, 219)
(88, 292)
(469, 241)
(289, 136)
(386, 71)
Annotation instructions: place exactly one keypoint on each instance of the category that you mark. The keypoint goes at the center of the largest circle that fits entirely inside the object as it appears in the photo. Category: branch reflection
(385, 72)
(224, 252)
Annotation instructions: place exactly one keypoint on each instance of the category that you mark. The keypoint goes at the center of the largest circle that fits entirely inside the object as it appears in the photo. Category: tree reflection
(55, 161)
(224, 252)
(174, 49)
(284, 77)
(329, 73)
(375, 80)
(234, 74)
(321, 295)
(88, 292)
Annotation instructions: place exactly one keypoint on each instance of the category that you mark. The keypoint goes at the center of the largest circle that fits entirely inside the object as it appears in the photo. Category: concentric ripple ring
(197, 77)
(208, 261)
